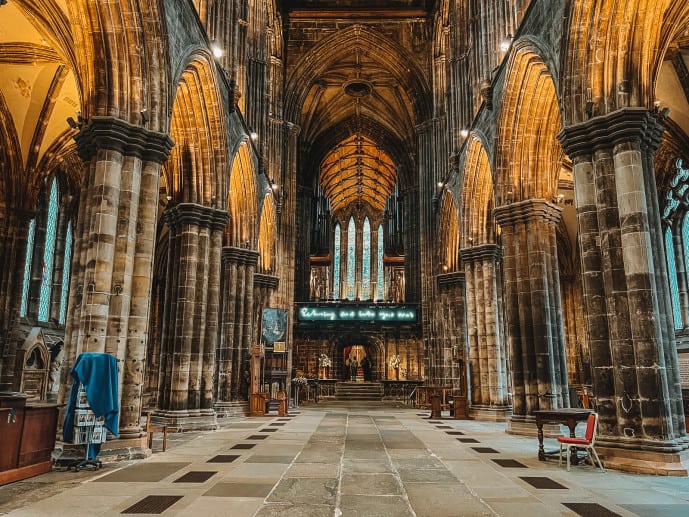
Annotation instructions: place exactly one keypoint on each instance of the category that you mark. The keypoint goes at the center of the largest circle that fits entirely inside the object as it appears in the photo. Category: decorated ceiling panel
(358, 171)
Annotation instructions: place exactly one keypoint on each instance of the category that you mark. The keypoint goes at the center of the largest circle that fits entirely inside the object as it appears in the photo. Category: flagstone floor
(352, 461)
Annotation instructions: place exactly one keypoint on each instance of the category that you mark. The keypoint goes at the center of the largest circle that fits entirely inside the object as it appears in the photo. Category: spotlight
(72, 123)
(253, 134)
(505, 45)
(464, 133)
(217, 51)
(144, 117)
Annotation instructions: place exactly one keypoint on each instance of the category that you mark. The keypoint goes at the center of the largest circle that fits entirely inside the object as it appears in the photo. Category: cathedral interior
(486, 196)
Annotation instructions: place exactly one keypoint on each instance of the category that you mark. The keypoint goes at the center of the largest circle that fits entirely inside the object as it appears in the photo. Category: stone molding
(115, 134)
(456, 278)
(240, 255)
(269, 281)
(607, 131)
(527, 211)
(199, 215)
(481, 252)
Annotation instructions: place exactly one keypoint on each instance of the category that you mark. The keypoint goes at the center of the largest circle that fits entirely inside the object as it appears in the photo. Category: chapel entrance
(358, 363)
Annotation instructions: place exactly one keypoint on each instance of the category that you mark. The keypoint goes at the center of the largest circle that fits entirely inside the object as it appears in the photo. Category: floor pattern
(358, 461)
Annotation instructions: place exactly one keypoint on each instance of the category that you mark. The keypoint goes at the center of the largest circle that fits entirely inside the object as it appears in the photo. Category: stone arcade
(489, 196)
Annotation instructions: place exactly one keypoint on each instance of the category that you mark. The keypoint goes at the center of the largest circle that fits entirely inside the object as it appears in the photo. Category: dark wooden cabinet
(27, 437)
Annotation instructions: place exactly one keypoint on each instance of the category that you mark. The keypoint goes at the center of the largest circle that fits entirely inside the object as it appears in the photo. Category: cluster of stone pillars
(190, 316)
(488, 358)
(633, 353)
(113, 252)
(533, 308)
(239, 266)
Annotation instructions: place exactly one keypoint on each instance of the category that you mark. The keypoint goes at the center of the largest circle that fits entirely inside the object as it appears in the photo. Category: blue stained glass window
(48, 256)
(351, 258)
(336, 263)
(381, 282)
(672, 273)
(65, 275)
(27, 268)
(366, 265)
(685, 241)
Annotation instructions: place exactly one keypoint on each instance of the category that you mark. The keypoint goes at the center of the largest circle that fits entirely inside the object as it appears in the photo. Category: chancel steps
(358, 391)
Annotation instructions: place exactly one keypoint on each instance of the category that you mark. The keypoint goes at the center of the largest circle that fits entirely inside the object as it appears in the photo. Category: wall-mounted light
(505, 44)
(217, 50)
(144, 117)
(253, 134)
(464, 133)
(72, 123)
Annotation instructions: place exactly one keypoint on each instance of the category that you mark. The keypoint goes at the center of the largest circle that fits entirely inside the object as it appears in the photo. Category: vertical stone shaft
(638, 391)
(529, 227)
(226, 346)
(198, 341)
(113, 252)
(213, 313)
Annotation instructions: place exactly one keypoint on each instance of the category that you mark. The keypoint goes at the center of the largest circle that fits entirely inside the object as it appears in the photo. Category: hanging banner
(274, 327)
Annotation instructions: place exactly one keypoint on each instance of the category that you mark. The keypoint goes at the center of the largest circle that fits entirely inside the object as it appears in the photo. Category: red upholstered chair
(582, 443)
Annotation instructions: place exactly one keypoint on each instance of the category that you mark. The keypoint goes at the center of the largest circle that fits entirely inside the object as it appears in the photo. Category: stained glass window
(366, 265)
(336, 263)
(672, 273)
(65, 275)
(381, 282)
(49, 250)
(27, 268)
(351, 258)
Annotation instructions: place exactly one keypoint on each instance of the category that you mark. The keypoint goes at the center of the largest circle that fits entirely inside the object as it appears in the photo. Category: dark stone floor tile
(593, 510)
(543, 483)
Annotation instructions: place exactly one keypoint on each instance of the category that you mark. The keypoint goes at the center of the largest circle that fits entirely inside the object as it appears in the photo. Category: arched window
(48, 255)
(351, 258)
(380, 280)
(65, 275)
(672, 273)
(366, 265)
(49, 234)
(27, 268)
(336, 263)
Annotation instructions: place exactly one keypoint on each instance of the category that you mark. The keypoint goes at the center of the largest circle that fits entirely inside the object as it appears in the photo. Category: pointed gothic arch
(477, 195)
(242, 200)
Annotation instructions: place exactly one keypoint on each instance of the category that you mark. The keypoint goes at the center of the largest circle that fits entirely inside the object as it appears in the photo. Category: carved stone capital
(115, 134)
(185, 214)
(239, 256)
(448, 280)
(606, 131)
(268, 281)
(530, 210)
(482, 252)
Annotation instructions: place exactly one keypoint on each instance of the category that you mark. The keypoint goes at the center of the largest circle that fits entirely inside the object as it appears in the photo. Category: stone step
(358, 391)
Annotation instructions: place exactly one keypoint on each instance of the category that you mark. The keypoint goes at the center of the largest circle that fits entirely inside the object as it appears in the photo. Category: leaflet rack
(88, 431)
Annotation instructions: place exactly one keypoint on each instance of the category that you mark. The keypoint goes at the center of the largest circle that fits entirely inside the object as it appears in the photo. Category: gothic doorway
(358, 358)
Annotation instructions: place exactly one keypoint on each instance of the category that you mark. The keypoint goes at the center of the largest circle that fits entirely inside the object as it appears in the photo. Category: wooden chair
(155, 428)
(583, 443)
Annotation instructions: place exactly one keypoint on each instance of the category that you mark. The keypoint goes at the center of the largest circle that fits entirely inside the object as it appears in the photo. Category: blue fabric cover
(98, 373)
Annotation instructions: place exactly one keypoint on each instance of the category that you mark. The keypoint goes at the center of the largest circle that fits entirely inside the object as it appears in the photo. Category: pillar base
(185, 420)
(490, 413)
(643, 461)
(526, 426)
(231, 409)
(111, 451)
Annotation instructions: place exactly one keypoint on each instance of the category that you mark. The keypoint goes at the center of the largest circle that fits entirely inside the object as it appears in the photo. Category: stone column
(626, 294)
(451, 329)
(14, 231)
(487, 355)
(188, 345)
(533, 309)
(237, 323)
(111, 266)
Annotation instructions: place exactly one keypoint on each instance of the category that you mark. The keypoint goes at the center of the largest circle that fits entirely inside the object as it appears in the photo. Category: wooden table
(568, 416)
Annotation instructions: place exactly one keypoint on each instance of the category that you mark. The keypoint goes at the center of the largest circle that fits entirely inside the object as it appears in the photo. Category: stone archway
(359, 346)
